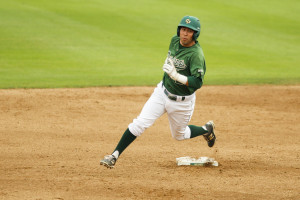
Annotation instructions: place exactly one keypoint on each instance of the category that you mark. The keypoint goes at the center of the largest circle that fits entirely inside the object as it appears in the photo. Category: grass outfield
(72, 43)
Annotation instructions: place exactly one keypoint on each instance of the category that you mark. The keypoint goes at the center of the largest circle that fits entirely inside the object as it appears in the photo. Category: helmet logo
(187, 21)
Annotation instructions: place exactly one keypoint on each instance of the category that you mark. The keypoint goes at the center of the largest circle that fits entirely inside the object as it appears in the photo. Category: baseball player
(184, 71)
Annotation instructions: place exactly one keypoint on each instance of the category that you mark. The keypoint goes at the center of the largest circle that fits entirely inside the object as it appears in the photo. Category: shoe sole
(106, 165)
(213, 131)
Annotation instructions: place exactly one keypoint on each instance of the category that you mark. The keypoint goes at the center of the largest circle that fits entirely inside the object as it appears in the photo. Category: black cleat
(210, 137)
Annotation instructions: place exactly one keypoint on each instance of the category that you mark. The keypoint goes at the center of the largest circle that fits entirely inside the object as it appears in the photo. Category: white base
(201, 161)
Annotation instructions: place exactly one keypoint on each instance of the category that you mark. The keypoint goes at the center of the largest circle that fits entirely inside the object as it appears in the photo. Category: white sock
(116, 154)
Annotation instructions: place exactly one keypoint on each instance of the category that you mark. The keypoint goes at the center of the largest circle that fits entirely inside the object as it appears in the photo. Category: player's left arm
(197, 70)
(194, 82)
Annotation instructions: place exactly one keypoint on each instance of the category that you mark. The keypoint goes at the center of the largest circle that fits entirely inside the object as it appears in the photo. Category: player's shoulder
(197, 45)
(198, 48)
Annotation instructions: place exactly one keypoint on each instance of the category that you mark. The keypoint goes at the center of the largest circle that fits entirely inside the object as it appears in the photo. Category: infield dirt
(53, 139)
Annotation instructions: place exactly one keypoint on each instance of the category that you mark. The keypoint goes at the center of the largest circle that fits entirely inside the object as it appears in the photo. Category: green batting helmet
(192, 23)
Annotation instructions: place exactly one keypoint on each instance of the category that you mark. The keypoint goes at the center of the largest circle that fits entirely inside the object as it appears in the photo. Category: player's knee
(135, 130)
(137, 127)
(181, 134)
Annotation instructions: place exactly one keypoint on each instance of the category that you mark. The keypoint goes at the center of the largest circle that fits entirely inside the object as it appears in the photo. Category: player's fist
(172, 72)
(170, 69)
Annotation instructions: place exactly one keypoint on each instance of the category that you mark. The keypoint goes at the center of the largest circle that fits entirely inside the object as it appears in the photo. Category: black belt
(173, 97)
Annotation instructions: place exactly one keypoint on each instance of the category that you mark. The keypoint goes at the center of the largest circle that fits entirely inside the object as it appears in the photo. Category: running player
(184, 70)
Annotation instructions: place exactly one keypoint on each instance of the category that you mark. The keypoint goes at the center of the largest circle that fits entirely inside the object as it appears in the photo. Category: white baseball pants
(179, 113)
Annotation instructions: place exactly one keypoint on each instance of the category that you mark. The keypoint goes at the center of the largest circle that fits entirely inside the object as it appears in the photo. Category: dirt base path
(53, 139)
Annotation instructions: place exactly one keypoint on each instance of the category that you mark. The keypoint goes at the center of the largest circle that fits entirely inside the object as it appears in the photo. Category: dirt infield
(53, 139)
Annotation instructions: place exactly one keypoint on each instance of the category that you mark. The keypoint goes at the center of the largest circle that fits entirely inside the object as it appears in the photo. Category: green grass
(72, 43)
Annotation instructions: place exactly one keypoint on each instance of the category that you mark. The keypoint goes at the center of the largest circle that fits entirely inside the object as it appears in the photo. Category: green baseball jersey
(190, 62)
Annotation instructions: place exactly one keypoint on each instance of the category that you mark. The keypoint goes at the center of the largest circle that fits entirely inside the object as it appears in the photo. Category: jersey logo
(179, 64)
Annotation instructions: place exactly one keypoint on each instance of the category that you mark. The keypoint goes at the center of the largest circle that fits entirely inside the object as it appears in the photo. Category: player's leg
(179, 115)
(110, 160)
(207, 131)
(151, 111)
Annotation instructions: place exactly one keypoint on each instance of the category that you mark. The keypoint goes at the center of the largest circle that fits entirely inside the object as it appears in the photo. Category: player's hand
(172, 72)
(170, 69)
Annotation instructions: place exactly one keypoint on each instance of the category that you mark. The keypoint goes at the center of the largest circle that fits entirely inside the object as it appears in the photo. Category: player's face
(186, 37)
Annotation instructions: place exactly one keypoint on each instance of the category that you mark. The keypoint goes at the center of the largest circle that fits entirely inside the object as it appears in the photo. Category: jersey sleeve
(197, 70)
(197, 65)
